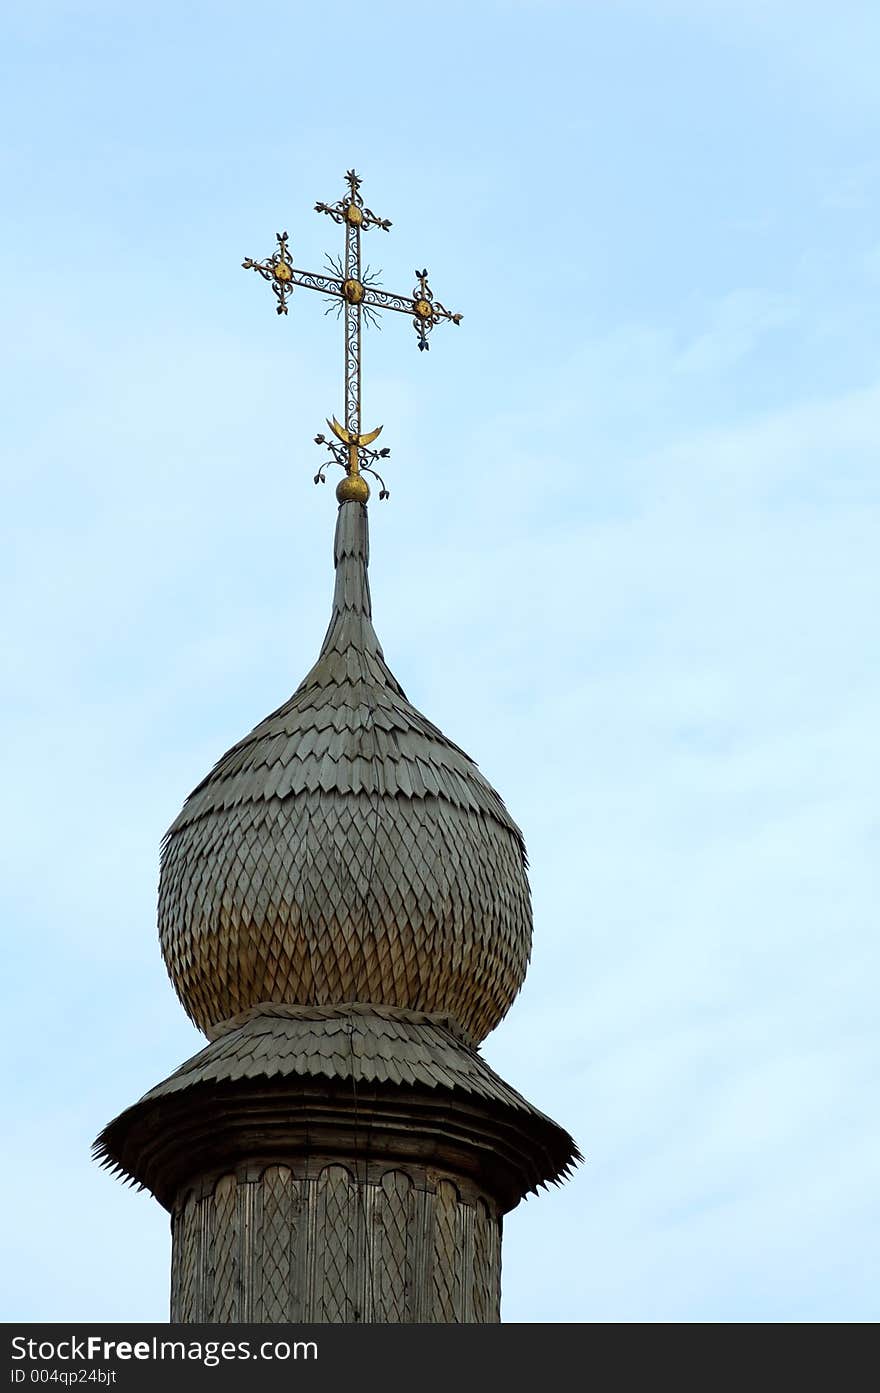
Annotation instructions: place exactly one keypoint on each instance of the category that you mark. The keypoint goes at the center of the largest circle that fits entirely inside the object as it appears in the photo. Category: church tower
(344, 912)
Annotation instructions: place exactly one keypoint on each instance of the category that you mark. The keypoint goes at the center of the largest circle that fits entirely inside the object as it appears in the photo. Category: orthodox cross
(357, 294)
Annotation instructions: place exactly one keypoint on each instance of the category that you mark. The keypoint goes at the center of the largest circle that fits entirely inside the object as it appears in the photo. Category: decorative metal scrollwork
(366, 459)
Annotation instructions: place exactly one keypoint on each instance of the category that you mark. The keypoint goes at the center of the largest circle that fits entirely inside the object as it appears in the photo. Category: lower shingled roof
(350, 1044)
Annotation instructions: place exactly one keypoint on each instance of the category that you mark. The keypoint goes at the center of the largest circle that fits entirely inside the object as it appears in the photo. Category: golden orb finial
(353, 489)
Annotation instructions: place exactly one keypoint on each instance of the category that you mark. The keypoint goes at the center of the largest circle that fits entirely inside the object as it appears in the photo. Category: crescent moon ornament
(346, 436)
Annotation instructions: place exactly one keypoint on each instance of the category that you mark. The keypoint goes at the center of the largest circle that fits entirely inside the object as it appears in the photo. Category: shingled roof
(346, 850)
(304, 1069)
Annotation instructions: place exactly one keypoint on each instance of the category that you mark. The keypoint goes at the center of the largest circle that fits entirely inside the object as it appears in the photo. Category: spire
(351, 616)
(351, 649)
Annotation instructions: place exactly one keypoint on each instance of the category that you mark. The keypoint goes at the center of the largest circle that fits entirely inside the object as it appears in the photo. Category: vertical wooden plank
(300, 1249)
(392, 1231)
(191, 1255)
(313, 1306)
(273, 1272)
(176, 1259)
(206, 1226)
(481, 1271)
(464, 1263)
(333, 1212)
(361, 1278)
(249, 1263)
(420, 1255)
(226, 1276)
(446, 1283)
(495, 1233)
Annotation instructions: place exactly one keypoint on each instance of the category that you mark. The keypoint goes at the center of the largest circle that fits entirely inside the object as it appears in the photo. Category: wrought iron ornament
(357, 293)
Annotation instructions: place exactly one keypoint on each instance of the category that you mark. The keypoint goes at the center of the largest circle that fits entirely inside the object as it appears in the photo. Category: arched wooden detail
(273, 1246)
(396, 1250)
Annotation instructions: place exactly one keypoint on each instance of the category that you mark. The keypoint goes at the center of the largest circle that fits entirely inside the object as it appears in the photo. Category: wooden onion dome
(346, 850)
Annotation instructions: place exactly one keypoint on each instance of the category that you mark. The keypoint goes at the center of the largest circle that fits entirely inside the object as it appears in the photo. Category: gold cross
(358, 294)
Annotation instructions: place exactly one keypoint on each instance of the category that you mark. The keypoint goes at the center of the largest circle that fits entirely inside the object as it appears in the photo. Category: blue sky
(629, 563)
